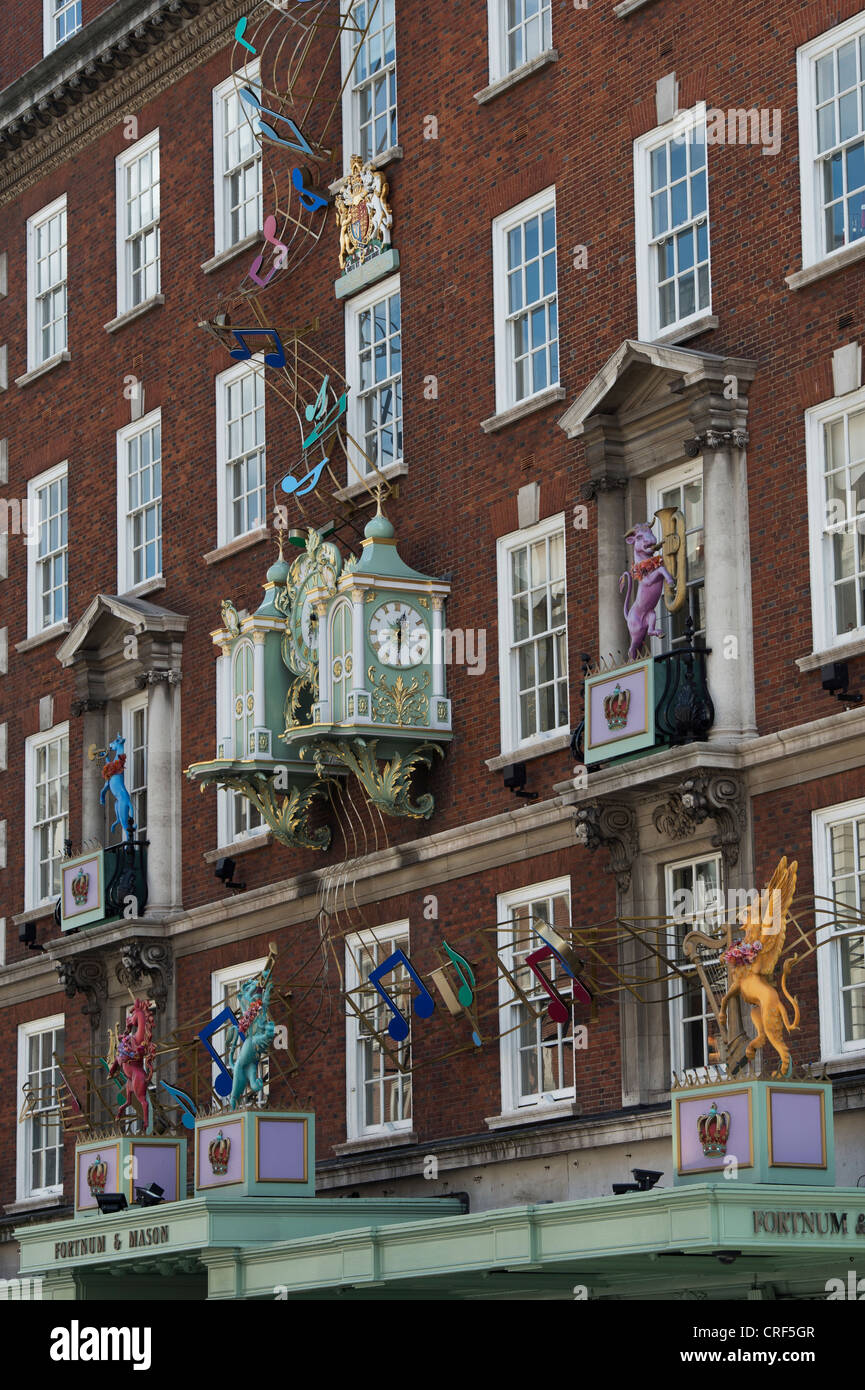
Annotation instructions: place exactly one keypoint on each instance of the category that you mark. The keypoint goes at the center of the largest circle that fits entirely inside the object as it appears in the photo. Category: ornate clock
(398, 634)
(317, 569)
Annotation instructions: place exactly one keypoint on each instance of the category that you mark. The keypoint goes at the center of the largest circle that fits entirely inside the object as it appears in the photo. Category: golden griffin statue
(751, 963)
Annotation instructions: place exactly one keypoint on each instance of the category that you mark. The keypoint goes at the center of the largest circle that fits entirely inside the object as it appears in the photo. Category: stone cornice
(56, 124)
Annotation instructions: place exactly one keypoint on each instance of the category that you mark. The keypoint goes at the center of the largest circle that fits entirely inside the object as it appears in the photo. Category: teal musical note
(187, 1104)
(239, 31)
(464, 993)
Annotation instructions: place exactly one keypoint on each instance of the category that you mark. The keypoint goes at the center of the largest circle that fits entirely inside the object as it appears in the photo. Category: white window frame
(498, 45)
(125, 572)
(822, 572)
(354, 307)
(49, 42)
(508, 694)
(832, 1046)
(23, 1191)
(128, 709)
(34, 333)
(34, 596)
(677, 476)
(31, 865)
(511, 1101)
(810, 163)
(675, 1001)
(231, 976)
(648, 326)
(541, 202)
(390, 937)
(250, 75)
(350, 100)
(144, 146)
(224, 526)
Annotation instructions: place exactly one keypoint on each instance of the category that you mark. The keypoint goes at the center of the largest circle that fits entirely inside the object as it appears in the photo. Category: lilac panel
(691, 1156)
(281, 1150)
(231, 1129)
(70, 906)
(156, 1164)
(86, 1201)
(797, 1131)
(635, 683)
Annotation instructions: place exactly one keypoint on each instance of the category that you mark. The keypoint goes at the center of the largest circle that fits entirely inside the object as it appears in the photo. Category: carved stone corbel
(613, 825)
(715, 439)
(605, 482)
(85, 975)
(150, 960)
(718, 796)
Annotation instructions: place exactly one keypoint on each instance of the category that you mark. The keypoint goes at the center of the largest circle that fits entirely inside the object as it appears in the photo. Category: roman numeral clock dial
(398, 635)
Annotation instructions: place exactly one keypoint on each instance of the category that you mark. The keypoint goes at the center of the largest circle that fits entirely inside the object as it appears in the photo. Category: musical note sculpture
(423, 1002)
(273, 359)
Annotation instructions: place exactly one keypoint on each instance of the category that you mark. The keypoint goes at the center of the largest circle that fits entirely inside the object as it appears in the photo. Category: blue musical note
(189, 1110)
(295, 485)
(315, 199)
(323, 426)
(423, 1002)
(273, 359)
(223, 1083)
(239, 31)
(301, 144)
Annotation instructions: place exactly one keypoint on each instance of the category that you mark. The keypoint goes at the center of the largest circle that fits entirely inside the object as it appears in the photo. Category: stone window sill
(47, 366)
(527, 407)
(239, 847)
(519, 74)
(842, 652)
(511, 1118)
(381, 161)
(147, 586)
(827, 266)
(363, 485)
(132, 314)
(33, 1204)
(531, 750)
(225, 552)
(376, 1141)
(50, 634)
(224, 257)
(704, 324)
(628, 6)
(34, 914)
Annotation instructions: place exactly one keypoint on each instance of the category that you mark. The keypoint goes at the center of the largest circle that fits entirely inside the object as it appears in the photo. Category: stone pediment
(107, 619)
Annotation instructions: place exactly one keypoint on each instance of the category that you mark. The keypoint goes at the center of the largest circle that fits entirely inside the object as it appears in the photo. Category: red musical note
(580, 991)
(557, 1009)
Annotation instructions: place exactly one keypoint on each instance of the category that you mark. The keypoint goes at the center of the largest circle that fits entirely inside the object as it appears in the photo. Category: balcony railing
(99, 885)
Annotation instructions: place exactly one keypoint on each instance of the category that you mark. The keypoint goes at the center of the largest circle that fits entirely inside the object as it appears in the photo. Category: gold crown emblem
(714, 1130)
(616, 708)
(218, 1151)
(80, 886)
(97, 1175)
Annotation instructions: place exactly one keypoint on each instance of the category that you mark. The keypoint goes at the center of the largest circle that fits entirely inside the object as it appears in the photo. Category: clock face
(398, 635)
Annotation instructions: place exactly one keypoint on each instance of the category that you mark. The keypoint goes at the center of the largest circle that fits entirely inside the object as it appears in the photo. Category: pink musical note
(269, 232)
(557, 1009)
(423, 1002)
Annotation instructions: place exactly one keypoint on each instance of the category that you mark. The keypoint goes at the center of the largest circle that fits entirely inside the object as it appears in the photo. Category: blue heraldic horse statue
(112, 773)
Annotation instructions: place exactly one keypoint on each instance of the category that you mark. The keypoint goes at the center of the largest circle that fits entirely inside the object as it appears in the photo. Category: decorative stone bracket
(85, 975)
(613, 825)
(715, 439)
(140, 960)
(157, 677)
(605, 482)
(706, 795)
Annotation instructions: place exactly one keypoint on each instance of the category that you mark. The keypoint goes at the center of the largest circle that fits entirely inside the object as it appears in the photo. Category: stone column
(92, 733)
(438, 656)
(324, 660)
(608, 491)
(258, 681)
(163, 790)
(729, 624)
(358, 675)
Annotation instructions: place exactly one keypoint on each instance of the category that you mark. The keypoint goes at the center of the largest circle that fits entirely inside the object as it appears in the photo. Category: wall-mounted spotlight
(109, 1202)
(225, 870)
(836, 679)
(515, 780)
(27, 937)
(645, 1179)
(151, 1196)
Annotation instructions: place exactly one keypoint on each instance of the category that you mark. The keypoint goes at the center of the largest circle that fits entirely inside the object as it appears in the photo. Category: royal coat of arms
(219, 1151)
(363, 214)
(616, 708)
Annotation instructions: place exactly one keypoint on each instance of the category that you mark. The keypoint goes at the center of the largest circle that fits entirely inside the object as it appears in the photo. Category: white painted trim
(354, 307)
(350, 123)
(828, 974)
(822, 602)
(508, 720)
(128, 708)
(674, 986)
(395, 934)
(251, 73)
(30, 746)
(124, 435)
(253, 366)
(510, 1098)
(124, 270)
(813, 252)
(34, 486)
(34, 361)
(498, 58)
(22, 1147)
(501, 225)
(647, 312)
